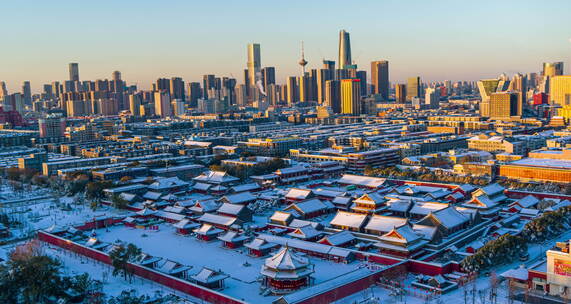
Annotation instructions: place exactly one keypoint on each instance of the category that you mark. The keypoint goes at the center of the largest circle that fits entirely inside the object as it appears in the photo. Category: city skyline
(144, 55)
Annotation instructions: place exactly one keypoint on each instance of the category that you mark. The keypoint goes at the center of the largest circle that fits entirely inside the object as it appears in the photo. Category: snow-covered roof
(280, 216)
(239, 198)
(245, 187)
(167, 183)
(207, 229)
(185, 224)
(450, 217)
(424, 208)
(383, 223)
(309, 206)
(260, 244)
(305, 232)
(232, 236)
(370, 198)
(217, 219)
(402, 234)
(528, 201)
(520, 273)
(145, 212)
(349, 219)
(207, 275)
(359, 180)
(216, 177)
(298, 194)
(233, 209)
(286, 260)
(339, 238)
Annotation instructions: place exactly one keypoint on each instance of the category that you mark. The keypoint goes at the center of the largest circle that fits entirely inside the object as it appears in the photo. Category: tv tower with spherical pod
(302, 61)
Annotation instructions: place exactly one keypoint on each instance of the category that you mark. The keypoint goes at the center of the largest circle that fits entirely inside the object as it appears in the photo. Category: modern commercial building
(270, 146)
(560, 91)
(552, 68)
(380, 78)
(177, 88)
(413, 88)
(344, 50)
(254, 63)
(538, 169)
(486, 88)
(74, 71)
(351, 96)
(505, 105)
(431, 98)
(27, 93)
(194, 93)
(292, 90)
(135, 104)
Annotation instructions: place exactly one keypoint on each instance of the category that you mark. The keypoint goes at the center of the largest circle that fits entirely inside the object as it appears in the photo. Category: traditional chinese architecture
(286, 272)
(209, 278)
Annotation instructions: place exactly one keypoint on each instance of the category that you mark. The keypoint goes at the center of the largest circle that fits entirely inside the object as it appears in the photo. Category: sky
(145, 40)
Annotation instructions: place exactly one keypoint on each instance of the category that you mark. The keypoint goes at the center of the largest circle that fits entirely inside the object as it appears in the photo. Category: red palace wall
(164, 279)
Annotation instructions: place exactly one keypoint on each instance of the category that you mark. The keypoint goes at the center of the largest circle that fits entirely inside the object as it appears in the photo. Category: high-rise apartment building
(74, 71)
(560, 90)
(380, 78)
(135, 101)
(52, 125)
(344, 50)
(254, 63)
(413, 88)
(333, 95)
(304, 83)
(208, 84)
(351, 96)
(162, 104)
(323, 75)
(432, 98)
(400, 93)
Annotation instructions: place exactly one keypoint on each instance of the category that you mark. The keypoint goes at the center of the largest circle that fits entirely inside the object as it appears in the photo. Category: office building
(74, 71)
(27, 93)
(208, 84)
(504, 105)
(400, 93)
(486, 88)
(560, 92)
(254, 63)
(177, 88)
(52, 125)
(3, 90)
(552, 68)
(323, 75)
(380, 78)
(292, 90)
(362, 76)
(344, 50)
(351, 96)
(268, 77)
(413, 88)
(333, 95)
(162, 104)
(304, 83)
(194, 93)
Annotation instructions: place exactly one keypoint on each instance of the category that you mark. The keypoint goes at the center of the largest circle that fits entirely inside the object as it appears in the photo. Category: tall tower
(344, 49)
(380, 78)
(74, 71)
(413, 88)
(302, 62)
(254, 63)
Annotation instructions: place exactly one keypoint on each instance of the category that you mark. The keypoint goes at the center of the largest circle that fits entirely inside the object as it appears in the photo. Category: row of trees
(502, 250)
(243, 172)
(548, 225)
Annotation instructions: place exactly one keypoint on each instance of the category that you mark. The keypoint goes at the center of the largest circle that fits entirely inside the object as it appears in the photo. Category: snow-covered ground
(243, 282)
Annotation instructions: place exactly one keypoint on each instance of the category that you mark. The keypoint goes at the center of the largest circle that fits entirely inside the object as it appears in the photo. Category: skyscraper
(486, 88)
(323, 75)
(3, 90)
(344, 49)
(333, 95)
(177, 88)
(254, 63)
(292, 91)
(431, 98)
(208, 83)
(27, 92)
(362, 76)
(400, 93)
(351, 96)
(304, 83)
(74, 71)
(268, 76)
(380, 78)
(413, 88)
(194, 93)
(52, 125)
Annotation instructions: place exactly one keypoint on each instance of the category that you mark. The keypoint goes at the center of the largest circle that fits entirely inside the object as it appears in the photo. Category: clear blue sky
(437, 40)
